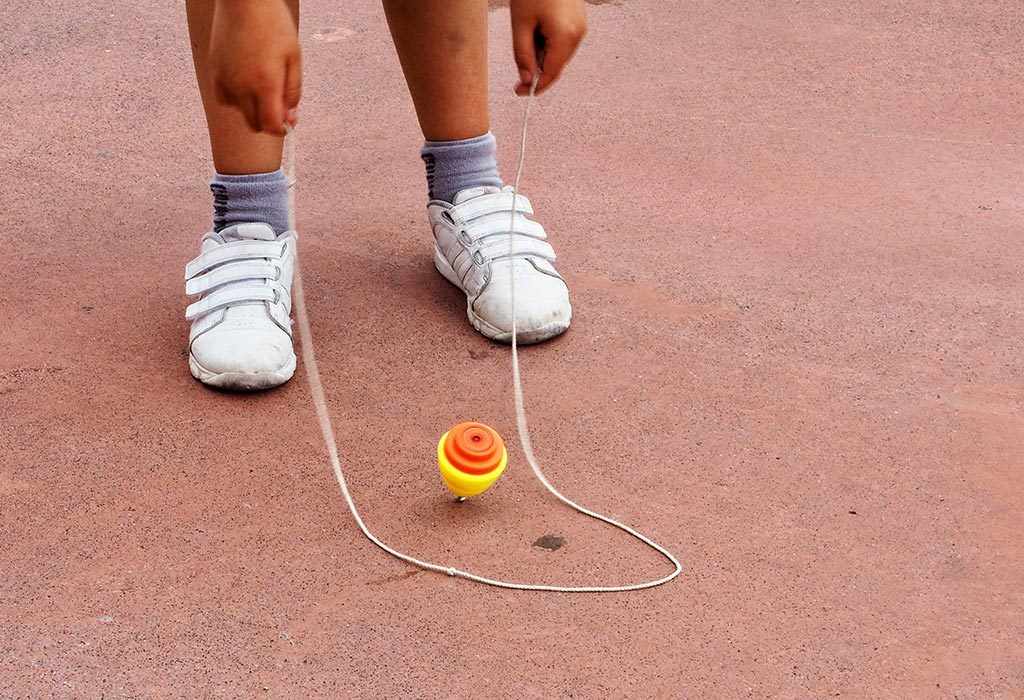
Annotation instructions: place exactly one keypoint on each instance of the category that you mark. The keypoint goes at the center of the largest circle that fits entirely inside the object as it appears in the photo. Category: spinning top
(471, 456)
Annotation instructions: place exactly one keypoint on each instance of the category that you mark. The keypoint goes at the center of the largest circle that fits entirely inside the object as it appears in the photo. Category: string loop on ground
(323, 417)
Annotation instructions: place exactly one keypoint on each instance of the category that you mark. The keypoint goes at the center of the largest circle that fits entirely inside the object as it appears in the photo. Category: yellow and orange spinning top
(471, 457)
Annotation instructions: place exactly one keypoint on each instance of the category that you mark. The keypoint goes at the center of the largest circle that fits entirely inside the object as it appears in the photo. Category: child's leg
(442, 45)
(237, 150)
(248, 185)
(241, 332)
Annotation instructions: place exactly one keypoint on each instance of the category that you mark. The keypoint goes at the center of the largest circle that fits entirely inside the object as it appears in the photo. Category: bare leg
(248, 347)
(442, 45)
(237, 150)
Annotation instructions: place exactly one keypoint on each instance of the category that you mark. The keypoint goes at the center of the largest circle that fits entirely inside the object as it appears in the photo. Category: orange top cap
(474, 448)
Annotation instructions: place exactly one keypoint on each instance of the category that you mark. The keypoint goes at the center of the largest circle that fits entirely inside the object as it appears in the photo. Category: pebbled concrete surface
(794, 234)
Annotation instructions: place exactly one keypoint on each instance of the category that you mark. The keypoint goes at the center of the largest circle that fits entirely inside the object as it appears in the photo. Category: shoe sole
(242, 381)
(538, 335)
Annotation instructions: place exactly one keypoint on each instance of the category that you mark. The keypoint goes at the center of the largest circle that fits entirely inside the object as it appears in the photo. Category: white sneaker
(471, 251)
(241, 335)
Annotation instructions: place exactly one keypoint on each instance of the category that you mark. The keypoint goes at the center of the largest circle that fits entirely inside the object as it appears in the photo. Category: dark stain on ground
(550, 542)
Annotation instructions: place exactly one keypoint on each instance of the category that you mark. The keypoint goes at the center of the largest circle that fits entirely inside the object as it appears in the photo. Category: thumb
(292, 88)
(525, 49)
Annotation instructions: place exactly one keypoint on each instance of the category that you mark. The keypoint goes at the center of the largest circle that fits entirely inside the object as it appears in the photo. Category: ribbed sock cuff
(453, 166)
(260, 197)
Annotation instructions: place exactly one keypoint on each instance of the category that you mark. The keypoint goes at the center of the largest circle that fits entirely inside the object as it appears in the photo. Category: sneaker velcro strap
(236, 250)
(232, 272)
(489, 204)
(231, 296)
(500, 224)
(523, 247)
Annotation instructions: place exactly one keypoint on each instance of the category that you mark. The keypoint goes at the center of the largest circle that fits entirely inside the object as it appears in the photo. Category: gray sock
(243, 199)
(453, 166)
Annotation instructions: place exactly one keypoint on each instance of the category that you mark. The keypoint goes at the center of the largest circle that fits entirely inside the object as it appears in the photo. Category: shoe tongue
(249, 232)
(474, 192)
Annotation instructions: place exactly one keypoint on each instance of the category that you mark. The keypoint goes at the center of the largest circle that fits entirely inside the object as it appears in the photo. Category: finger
(525, 50)
(251, 109)
(249, 113)
(558, 53)
(560, 45)
(270, 111)
(292, 89)
(223, 95)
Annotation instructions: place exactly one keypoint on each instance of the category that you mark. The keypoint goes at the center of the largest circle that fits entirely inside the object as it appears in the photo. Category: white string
(323, 417)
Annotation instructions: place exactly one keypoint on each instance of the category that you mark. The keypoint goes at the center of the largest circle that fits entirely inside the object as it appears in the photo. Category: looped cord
(323, 417)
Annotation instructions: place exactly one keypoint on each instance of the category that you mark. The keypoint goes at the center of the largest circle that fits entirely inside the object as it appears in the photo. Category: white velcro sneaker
(241, 335)
(471, 250)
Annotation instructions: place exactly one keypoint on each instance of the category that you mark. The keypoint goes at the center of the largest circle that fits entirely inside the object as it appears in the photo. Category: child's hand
(257, 62)
(556, 26)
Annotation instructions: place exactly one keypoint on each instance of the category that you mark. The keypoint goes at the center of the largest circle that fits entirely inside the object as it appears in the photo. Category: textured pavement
(794, 233)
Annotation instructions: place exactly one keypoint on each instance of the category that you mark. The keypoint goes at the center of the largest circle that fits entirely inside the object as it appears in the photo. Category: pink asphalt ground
(794, 233)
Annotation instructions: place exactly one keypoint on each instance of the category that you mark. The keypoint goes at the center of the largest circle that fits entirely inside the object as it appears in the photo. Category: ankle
(453, 166)
(253, 198)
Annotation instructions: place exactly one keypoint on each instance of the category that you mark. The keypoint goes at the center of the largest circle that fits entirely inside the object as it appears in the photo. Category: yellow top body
(471, 457)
